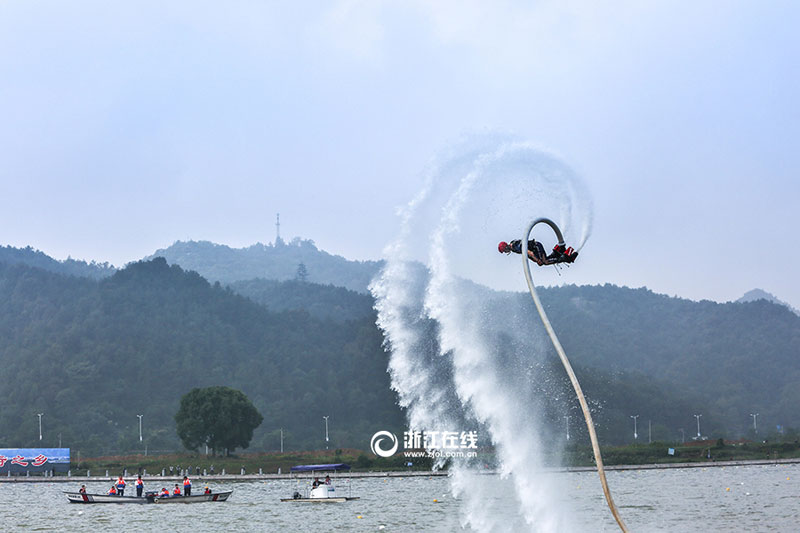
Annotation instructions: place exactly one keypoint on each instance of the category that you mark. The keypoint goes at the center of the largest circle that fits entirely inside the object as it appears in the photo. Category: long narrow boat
(77, 497)
(195, 498)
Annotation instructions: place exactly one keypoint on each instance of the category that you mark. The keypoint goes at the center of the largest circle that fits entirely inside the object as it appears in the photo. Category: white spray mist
(454, 355)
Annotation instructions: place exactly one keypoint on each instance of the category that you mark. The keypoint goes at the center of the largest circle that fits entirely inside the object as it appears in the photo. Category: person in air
(82, 489)
(561, 253)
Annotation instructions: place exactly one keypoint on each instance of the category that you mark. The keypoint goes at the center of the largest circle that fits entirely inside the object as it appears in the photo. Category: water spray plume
(463, 356)
(568, 367)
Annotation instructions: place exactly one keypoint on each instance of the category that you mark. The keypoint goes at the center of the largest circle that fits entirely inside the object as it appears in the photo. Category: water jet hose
(563, 356)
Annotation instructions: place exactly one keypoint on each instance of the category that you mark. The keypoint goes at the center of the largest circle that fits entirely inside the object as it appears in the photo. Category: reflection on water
(754, 498)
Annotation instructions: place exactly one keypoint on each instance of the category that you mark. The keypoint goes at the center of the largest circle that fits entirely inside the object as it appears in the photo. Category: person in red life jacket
(139, 486)
(120, 486)
(187, 486)
(207, 491)
(176, 491)
(561, 253)
(112, 491)
(82, 489)
(164, 493)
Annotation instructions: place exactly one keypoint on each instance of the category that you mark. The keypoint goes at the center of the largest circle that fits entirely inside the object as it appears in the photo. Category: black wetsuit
(533, 246)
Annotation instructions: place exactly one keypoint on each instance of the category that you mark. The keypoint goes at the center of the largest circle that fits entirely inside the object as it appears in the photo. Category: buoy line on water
(568, 367)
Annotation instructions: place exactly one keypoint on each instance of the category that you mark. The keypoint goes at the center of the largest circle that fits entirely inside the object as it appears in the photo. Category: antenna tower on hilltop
(278, 230)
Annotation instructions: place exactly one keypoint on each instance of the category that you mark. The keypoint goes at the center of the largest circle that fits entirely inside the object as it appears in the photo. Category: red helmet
(502, 247)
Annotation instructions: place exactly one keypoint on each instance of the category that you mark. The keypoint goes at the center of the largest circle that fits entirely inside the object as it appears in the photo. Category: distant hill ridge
(759, 294)
(70, 267)
(280, 261)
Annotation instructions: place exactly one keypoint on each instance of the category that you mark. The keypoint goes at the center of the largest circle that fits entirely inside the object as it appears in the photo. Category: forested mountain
(321, 301)
(740, 358)
(70, 267)
(217, 262)
(92, 355)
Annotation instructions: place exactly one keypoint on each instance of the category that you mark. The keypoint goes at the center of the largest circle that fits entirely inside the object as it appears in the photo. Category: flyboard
(568, 367)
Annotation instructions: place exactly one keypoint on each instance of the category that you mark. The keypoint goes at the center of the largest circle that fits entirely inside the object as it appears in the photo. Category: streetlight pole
(635, 433)
(683, 436)
(649, 433)
(567, 419)
(698, 425)
(40, 415)
(326, 431)
(281, 440)
(755, 428)
(140, 427)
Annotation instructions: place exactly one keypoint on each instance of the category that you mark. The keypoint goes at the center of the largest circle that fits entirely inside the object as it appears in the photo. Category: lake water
(760, 498)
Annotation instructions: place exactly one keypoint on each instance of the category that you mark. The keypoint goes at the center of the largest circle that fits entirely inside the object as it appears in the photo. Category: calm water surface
(761, 498)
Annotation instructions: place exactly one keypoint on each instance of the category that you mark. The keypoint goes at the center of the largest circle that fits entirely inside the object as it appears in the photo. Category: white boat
(321, 492)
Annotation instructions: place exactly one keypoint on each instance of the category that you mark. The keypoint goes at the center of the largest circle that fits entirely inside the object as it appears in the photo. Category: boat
(79, 497)
(323, 492)
(150, 497)
(194, 498)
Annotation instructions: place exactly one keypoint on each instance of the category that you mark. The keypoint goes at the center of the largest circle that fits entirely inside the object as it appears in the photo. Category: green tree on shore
(220, 417)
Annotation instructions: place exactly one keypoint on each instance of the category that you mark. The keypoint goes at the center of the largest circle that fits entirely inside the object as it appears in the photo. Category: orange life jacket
(112, 490)
(187, 483)
(176, 491)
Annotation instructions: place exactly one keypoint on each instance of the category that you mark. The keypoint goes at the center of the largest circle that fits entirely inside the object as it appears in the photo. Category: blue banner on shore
(34, 459)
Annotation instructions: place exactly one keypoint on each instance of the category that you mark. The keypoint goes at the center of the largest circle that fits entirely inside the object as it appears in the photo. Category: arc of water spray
(568, 367)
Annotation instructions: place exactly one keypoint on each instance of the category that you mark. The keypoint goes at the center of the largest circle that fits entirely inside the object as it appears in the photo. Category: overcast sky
(125, 126)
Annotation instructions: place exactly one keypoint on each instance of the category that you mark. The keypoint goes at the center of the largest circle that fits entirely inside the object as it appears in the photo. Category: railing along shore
(397, 473)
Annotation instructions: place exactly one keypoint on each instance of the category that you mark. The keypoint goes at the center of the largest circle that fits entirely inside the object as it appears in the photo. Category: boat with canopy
(320, 491)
